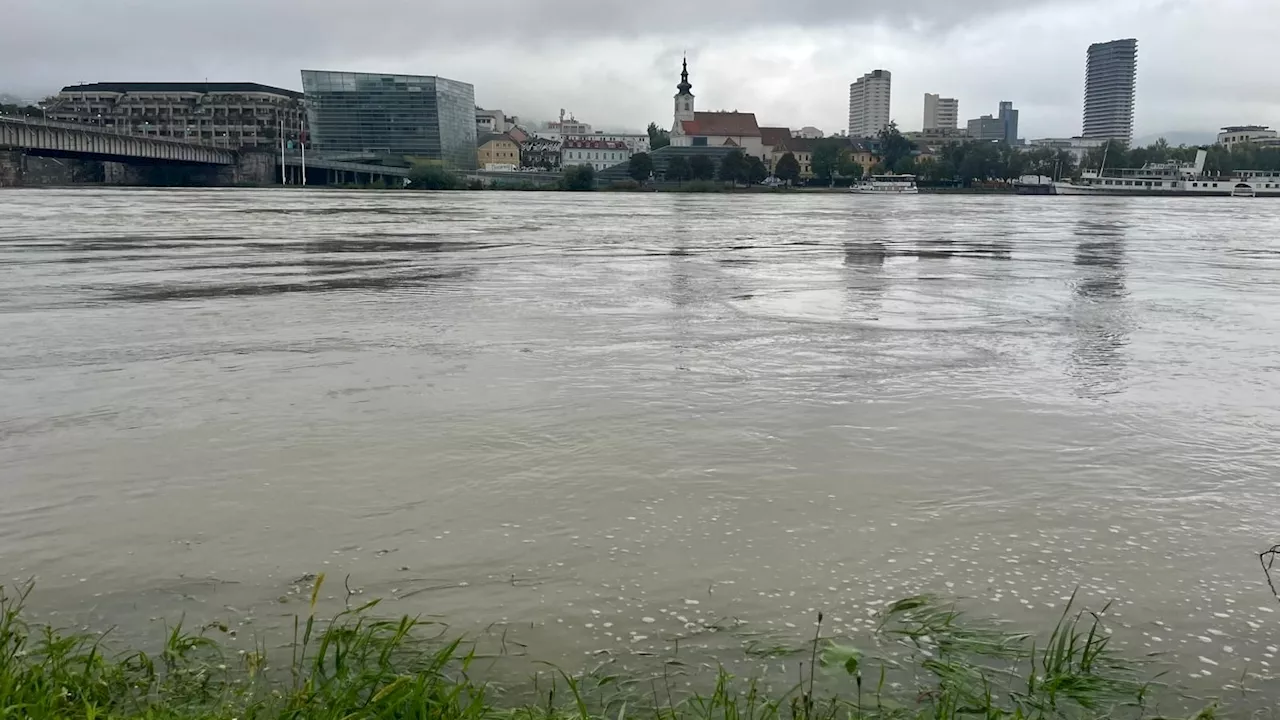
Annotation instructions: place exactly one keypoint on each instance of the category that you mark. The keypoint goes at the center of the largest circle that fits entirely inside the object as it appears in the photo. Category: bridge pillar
(114, 173)
(255, 168)
(11, 168)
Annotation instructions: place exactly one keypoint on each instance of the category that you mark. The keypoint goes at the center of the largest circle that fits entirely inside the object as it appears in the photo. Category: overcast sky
(1202, 63)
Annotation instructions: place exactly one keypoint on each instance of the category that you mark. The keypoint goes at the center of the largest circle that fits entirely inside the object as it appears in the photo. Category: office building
(1109, 90)
(230, 115)
(1078, 147)
(404, 117)
(941, 113)
(1009, 122)
(869, 103)
(987, 127)
(1260, 135)
(1002, 127)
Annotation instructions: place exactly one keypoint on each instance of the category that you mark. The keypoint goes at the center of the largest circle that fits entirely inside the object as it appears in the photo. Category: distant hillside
(1178, 137)
(7, 99)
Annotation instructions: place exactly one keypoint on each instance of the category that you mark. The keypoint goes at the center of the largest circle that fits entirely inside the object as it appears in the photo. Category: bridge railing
(114, 130)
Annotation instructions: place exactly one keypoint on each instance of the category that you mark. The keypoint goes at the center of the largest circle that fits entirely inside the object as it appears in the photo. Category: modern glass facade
(411, 116)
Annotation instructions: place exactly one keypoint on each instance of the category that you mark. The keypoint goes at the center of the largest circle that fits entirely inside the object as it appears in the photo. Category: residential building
(1009, 122)
(802, 149)
(941, 113)
(809, 132)
(497, 151)
(773, 137)
(865, 158)
(713, 129)
(395, 116)
(987, 127)
(869, 103)
(636, 142)
(1111, 73)
(542, 153)
(492, 121)
(599, 154)
(1233, 135)
(937, 137)
(1077, 146)
(230, 115)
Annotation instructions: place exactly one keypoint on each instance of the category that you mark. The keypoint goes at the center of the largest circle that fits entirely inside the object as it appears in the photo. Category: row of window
(584, 155)
(1158, 183)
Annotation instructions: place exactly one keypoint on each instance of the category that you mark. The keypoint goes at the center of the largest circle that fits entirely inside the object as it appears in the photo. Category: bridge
(39, 137)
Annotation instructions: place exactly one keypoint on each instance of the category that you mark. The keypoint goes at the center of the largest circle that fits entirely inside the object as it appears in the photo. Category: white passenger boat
(1172, 179)
(887, 185)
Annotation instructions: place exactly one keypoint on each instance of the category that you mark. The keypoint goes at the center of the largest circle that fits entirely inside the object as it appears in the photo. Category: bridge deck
(71, 140)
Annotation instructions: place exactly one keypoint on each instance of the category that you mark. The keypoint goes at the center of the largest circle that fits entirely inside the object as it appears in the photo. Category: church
(713, 129)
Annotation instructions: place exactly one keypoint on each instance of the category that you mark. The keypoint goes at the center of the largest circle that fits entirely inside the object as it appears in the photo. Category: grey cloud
(54, 42)
(616, 63)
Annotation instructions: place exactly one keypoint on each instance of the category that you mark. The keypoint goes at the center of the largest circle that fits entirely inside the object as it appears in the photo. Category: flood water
(606, 421)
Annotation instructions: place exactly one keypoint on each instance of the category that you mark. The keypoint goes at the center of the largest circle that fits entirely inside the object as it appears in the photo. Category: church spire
(684, 87)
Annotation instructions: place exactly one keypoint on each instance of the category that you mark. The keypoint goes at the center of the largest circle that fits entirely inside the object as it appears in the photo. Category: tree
(432, 176)
(678, 169)
(894, 146)
(927, 168)
(826, 158)
(756, 171)
(788, 168)
(1115, 152)
(641, 167)
(849, 167)
(579, 178)
(733, 167)
(658, 138)
(701, 167)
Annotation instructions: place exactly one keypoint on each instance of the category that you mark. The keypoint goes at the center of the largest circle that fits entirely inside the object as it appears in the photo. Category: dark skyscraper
(1109, 89)
(1009, 122)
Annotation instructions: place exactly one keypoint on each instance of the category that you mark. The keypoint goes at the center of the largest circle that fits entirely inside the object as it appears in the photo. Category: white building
(566, 127)
(1077, 146)
(636, 142)
(599, 154)
(1256, 134)
(713, 129)
(869, 103)
(493, 121)
(808, 132)
(941, 113)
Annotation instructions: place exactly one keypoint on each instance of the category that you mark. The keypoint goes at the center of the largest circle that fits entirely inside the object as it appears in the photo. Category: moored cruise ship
(1173, 179)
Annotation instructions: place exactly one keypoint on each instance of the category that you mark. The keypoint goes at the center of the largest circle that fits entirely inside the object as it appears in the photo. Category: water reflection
(1100, 314)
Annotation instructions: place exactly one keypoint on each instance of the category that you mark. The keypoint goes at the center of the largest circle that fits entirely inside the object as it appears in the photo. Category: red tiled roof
(734, 124)
(728, 142)
(594, 145)
(774, 136)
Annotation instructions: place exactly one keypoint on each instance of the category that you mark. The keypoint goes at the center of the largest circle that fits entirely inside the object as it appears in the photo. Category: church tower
(684, 98)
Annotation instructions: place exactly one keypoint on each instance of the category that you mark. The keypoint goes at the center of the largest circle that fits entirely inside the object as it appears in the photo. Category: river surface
(605, 421)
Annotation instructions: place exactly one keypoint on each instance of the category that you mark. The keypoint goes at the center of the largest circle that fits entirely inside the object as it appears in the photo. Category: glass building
(409, 116)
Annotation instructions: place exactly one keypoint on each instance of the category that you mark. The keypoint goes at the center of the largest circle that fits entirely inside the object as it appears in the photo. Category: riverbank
(927, 659)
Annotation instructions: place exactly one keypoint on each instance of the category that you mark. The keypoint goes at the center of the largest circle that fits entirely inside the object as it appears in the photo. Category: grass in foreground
(939, 664)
